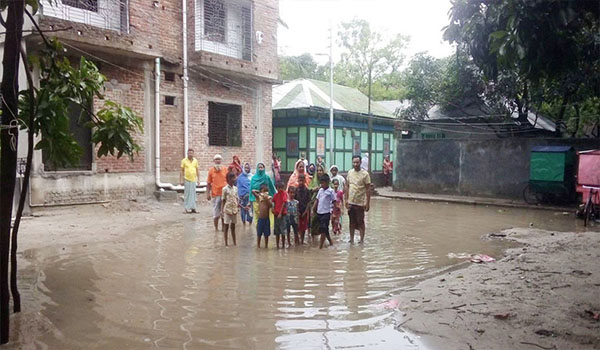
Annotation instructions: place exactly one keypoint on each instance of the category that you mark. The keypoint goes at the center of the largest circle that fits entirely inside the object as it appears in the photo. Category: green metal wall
(343, 142)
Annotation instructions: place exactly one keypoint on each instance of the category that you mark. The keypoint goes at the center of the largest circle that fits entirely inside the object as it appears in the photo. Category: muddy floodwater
(177, 287)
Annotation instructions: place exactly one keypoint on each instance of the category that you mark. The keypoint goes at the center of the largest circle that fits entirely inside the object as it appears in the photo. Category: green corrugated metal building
(301, 124)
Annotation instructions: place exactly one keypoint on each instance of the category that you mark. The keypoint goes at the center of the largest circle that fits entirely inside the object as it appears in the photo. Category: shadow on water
(178, 287)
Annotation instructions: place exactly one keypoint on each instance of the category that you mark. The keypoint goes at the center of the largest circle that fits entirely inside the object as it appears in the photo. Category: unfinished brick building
(198, 71)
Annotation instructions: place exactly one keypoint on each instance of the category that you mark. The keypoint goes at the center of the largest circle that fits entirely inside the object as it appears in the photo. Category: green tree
(367, 59)
(302, 66)
(44, 111)
(452, 83)
(422, 79)
(542, 52)
(461, 81)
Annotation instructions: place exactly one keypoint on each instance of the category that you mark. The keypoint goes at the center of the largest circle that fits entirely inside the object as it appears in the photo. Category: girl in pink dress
(337, 208)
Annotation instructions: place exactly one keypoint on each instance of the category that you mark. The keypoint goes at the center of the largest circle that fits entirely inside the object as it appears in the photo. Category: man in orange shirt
(217, 179)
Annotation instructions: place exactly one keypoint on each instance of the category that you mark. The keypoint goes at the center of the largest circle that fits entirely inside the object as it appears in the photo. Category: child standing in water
(292, 216)
(229, 207)
(263, 226)
(325, 200)
(280, 212)
(303, 198)
(337, 208)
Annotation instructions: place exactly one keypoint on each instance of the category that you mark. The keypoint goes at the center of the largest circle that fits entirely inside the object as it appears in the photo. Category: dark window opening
(214, 20)
(170, 100)
(124, 7)
(83, 137)
(247, 34)
(433, 135)
(169, 76)
(224, 124)
(90, 5)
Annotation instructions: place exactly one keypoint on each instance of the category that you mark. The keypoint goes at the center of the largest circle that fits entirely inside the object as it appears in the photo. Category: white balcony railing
(224, 27)
(105, 14)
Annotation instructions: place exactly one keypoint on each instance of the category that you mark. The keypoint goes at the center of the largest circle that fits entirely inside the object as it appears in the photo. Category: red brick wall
(155, 31)
(124, 87)
(202, 91)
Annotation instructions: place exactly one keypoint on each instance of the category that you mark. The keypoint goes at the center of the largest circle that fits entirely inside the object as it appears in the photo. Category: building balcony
(235, 37)
(103, 14)
(224, 27)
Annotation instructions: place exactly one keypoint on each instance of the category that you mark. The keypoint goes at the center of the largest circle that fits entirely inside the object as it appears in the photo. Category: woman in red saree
(276, 167)
(387, 170)
(236, 166)
(298, 169)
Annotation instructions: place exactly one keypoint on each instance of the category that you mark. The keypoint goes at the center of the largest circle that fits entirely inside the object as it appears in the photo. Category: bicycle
(591, 210)
(556, 196)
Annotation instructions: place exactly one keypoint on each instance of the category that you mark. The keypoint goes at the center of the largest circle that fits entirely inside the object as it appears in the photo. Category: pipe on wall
(185, 79)
(162, 185)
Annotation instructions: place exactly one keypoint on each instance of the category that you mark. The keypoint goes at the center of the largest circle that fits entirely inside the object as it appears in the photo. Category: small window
(170, 100)
(90, 5)
(169, 76)
(214, 20)
(432, 135)
(224, 124)
(83, 136)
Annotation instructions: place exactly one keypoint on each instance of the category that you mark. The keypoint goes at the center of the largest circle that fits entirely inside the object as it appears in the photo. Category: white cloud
(309, 22)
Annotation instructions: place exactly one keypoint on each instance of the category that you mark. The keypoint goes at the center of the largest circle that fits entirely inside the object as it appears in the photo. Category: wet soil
(544, 294)
(143, 274)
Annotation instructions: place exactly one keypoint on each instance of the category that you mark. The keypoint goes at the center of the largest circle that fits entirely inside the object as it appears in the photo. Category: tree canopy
(302, 66)
(364, 53)
(368, 61)
(44, 111)
(545, 54)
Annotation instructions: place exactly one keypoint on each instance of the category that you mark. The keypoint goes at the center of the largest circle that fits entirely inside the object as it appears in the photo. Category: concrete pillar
(149, 130)
(259, 120)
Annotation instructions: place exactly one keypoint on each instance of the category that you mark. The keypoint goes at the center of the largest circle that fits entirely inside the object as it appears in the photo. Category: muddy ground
(544, 294)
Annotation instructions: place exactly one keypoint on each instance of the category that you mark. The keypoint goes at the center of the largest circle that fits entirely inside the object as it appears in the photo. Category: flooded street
(177, 287)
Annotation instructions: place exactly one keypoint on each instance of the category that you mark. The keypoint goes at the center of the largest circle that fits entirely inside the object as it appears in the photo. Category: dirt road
(544, 294)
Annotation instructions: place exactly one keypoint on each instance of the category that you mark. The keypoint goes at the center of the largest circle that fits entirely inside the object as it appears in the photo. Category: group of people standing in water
(313, 199)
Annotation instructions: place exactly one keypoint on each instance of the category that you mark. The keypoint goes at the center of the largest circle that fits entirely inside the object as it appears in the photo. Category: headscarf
(315, 182)
(243, 182)
(276, 169)
(293, 181)
(258, 179)
(338, 177)
(309, 171)
(235, 166)
(387, 165)
(364, 162)
(321, 161)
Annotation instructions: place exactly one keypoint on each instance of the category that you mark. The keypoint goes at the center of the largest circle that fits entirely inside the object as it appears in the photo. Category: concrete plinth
(166, 196)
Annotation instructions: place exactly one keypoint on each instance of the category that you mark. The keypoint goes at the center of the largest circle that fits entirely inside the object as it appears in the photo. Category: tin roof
(307, 93)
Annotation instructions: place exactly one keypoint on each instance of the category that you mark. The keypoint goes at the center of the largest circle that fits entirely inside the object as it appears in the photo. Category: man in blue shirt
(323, 207)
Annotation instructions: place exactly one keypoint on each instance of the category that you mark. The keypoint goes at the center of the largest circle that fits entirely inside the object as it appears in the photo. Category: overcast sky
(308, 22)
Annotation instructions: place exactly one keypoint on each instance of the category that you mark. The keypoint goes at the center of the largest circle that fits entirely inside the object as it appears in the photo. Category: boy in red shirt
(280, 211)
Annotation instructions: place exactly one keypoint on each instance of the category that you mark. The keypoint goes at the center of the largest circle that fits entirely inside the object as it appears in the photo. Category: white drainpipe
(162, 185)
(159, 184)
(185, 79)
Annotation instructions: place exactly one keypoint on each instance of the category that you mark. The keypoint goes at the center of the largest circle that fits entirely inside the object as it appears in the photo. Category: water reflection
(178, 287)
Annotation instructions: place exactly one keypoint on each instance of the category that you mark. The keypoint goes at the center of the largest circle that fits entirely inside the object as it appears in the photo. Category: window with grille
(82, 135)
(225, 27)
(90, 5)
(224, 124)
(214, 20)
